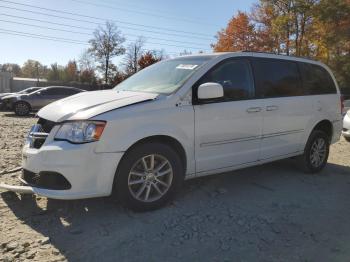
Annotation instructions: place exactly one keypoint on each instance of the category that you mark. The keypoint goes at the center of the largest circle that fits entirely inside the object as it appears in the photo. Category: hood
(14, 95)
(2, 95)
(88, 104)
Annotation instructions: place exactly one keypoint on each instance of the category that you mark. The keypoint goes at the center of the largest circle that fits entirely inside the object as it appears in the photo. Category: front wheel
(148, 176)
(316, 152)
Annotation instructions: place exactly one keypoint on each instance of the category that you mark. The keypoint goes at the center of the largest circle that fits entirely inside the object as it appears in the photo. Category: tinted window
(67, 91)
(234, 76)
(316, 79)
(53, 91)
(277, 78)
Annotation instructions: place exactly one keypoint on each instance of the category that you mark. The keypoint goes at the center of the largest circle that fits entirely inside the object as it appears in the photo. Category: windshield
(164, 77)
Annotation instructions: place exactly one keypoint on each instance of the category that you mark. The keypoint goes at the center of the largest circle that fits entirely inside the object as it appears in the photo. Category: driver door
(228, 130)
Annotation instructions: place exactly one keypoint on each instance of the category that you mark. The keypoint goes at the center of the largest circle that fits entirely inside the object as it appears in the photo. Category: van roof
(258, 54)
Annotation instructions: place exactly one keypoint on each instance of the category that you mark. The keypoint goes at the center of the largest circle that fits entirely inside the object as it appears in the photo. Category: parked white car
(182, 118)
(346, 126)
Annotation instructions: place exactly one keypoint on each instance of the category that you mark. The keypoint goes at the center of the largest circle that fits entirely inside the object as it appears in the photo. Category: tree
(133, 54)
(237, 36)
(15, 69)
(331, 37)
(34, 69)
(55, 72)
(106, 44)
(87, 68)
(71, 71)
(185, 52)
(267, 40)
(149, 58)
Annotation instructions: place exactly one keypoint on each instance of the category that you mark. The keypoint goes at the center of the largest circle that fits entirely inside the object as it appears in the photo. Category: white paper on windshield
(186, 67)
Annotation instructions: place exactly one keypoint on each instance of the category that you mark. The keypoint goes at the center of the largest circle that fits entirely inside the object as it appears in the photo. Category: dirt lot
(268, 213)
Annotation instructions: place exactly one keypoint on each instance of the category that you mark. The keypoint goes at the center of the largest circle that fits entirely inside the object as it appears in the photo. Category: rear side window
(316, 79)
(67, 91)
(235, 77)
(53, 91)
(277, 78)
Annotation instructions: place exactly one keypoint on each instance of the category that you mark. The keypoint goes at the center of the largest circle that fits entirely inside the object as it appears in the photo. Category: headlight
(80, 131)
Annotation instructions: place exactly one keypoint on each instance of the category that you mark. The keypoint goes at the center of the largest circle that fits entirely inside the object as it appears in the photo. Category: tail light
(342, 104)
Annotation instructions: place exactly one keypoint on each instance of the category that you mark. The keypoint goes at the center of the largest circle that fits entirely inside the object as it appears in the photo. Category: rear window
(277, 78)
(316, 80)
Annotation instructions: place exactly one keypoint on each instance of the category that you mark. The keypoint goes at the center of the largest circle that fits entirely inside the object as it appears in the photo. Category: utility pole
(37, 73)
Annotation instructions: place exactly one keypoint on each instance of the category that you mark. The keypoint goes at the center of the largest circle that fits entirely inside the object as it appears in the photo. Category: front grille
(46, 180)
(46, 125)
(40, 132)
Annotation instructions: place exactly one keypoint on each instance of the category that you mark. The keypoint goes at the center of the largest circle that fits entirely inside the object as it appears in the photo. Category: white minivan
(182, 118)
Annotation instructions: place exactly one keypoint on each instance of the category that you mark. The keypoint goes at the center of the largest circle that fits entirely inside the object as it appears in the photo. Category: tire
(347, 138)
(21, 108)
(309, 162)
(142, 190)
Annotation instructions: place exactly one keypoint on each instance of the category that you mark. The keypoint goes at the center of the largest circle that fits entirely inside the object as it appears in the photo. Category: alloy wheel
(150, 178)
(318, 152)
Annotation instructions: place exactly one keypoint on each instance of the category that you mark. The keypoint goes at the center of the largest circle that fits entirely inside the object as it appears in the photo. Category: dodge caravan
(182, 118)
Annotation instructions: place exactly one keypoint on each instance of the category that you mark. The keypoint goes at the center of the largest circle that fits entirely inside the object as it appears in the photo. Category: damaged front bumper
(17, 189)
(61, 170)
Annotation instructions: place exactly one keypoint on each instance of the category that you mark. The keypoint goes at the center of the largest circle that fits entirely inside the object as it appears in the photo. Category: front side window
(235, 77)
(164, 77)
(277, 78)
(316, 79)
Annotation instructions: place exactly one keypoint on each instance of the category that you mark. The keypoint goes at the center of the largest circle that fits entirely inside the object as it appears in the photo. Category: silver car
(5, 96)
(23, 104)
(346, 126)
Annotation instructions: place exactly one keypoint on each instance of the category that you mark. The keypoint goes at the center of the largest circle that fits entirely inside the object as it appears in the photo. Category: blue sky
(169, 25)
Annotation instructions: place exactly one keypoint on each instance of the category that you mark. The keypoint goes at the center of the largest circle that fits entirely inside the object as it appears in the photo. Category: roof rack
(262, 52)
(272, 53)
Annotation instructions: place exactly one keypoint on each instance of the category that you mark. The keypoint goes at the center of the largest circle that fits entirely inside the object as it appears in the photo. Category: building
(20, 83)
(16, 84)
(5, 82)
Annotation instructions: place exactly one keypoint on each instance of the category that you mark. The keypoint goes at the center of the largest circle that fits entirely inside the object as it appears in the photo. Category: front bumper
(90, 174)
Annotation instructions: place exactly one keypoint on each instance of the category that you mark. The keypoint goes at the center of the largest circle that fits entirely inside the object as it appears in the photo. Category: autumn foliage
(148, 59)
(319, 29)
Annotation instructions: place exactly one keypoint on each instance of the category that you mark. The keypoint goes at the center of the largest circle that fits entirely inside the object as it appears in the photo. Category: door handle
(254, 110)
(271, 108)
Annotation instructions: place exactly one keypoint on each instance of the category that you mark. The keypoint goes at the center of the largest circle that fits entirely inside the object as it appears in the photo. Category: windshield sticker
(186, 67)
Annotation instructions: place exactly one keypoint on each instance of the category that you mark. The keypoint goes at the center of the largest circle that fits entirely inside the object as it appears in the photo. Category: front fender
(124, 129)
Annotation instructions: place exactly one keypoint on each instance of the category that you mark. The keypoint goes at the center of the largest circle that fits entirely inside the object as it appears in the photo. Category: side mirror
(210, 91)
(38, 93)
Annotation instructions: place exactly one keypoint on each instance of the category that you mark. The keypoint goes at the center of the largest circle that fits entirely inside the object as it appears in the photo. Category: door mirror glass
(210, 91)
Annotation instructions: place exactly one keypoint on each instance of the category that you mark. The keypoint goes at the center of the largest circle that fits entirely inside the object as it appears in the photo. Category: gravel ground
(267, 213)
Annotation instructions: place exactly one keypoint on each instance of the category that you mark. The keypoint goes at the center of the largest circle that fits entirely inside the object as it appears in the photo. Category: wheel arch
(325, 126)
(168, 140)
(165, 139)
